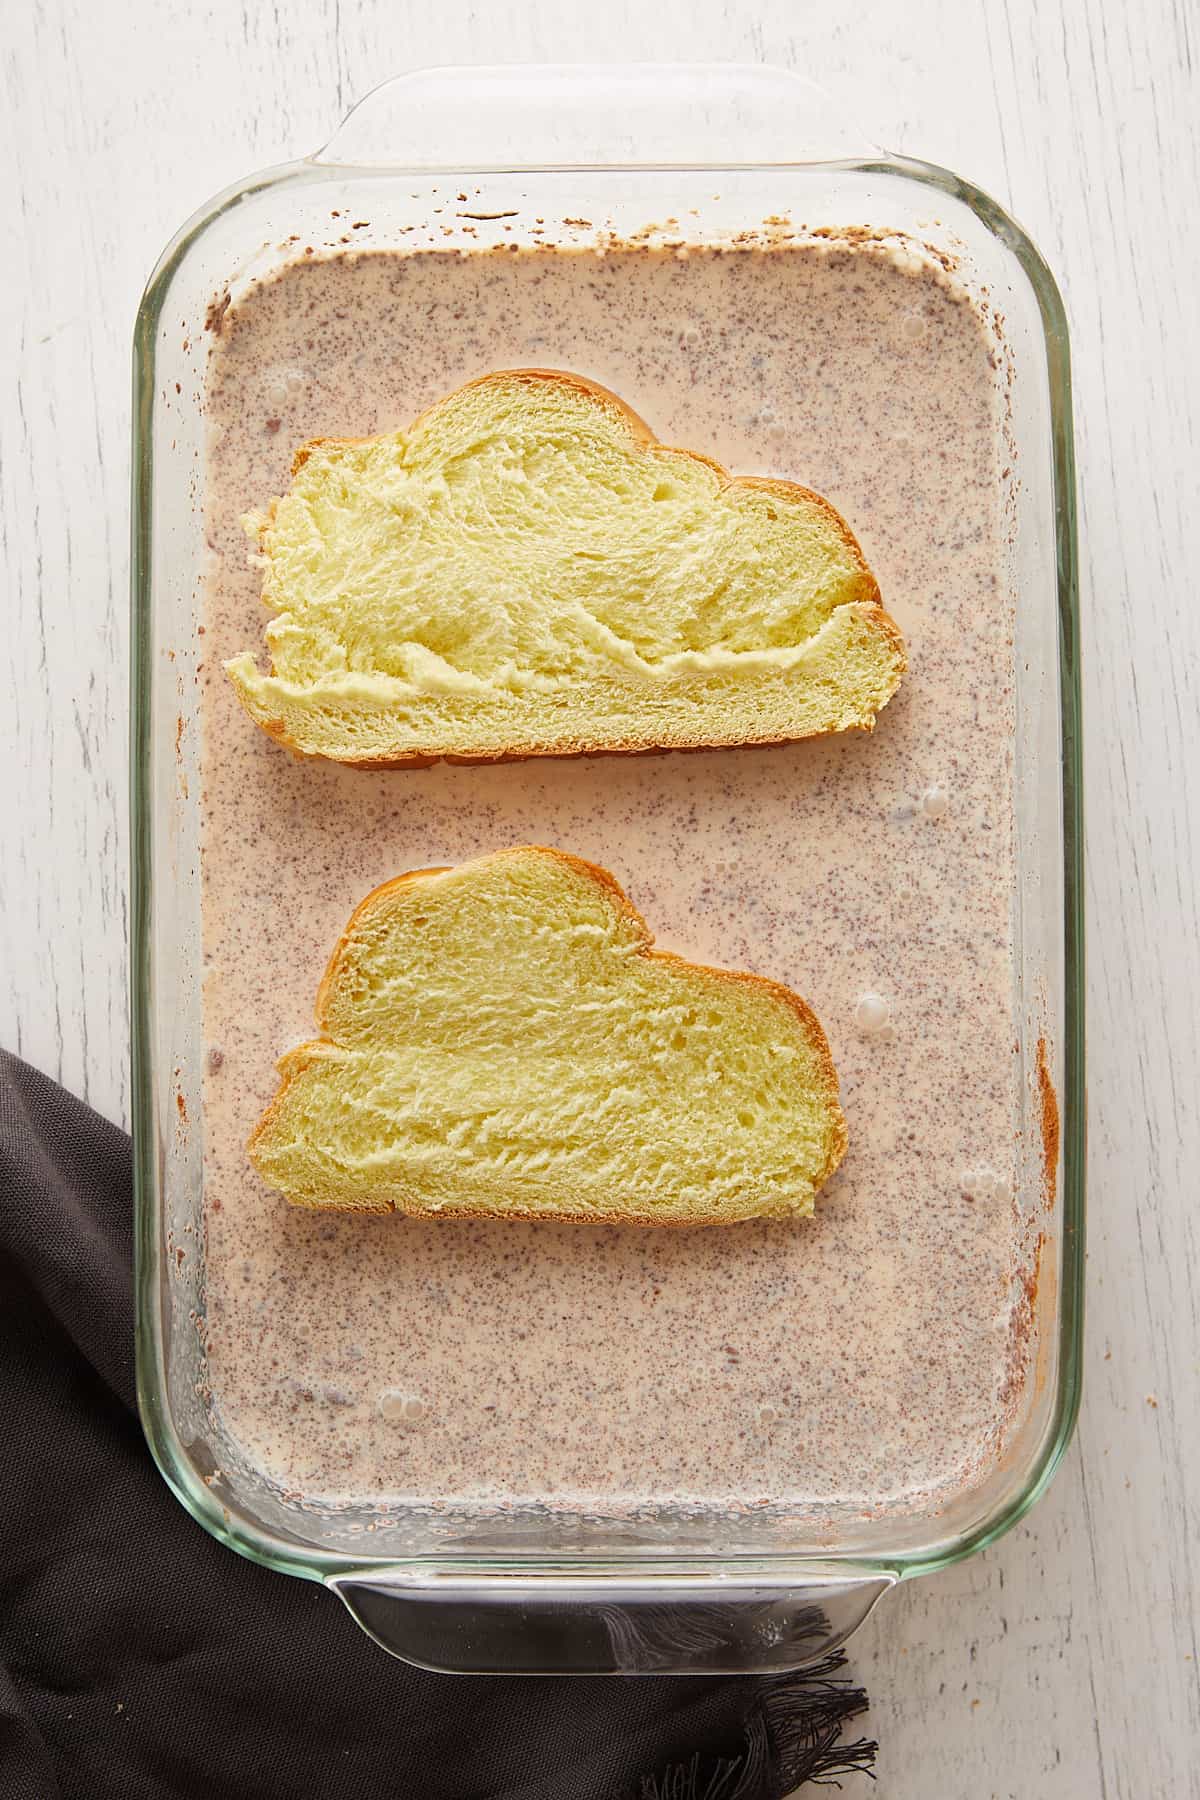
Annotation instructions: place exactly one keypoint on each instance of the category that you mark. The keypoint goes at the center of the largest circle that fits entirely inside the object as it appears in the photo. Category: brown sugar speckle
(217, 308)
(1050, 1124)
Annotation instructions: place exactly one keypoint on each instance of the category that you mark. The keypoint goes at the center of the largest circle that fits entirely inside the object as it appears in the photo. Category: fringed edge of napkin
(792, 1736)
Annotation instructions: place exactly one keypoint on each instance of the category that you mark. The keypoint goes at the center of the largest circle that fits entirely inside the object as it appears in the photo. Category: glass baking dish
(719, 146)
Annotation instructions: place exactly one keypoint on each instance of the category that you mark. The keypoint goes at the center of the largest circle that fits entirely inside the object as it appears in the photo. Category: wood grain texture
(1061, 1664)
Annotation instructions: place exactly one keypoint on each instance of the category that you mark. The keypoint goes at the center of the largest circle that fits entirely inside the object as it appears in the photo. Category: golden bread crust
(879, 623)
(295, 1061)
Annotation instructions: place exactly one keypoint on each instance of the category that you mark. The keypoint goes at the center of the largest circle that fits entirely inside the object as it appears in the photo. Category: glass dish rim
(162, 1437)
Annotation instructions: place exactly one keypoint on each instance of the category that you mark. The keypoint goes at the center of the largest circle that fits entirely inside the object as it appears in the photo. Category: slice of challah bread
(500, 1040)
(528, 572)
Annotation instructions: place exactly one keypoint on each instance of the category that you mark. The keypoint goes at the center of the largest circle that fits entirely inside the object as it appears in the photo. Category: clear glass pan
(557, 1594)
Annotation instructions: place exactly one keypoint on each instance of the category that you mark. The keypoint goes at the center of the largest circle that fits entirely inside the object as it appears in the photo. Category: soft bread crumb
(500, 1040)
(527, 571)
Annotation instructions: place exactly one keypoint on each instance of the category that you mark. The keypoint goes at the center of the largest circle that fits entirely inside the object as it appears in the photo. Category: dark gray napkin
(140, 1660)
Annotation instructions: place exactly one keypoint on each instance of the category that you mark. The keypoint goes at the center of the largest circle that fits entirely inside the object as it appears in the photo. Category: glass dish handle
(635, 1624)
(564, 115)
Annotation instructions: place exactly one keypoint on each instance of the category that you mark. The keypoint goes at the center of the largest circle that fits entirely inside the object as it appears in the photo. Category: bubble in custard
(935, 801)
(873, 1014)
(284, 385)
(401, 1408)
(983, 1184)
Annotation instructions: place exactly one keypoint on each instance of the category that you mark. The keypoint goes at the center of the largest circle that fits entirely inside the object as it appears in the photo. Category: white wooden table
(1061, 1663)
